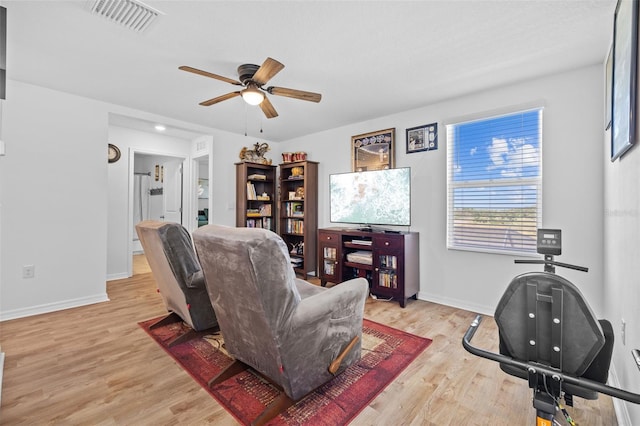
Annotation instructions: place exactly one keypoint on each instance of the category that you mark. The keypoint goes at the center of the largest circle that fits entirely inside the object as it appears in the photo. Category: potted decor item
(287, 157)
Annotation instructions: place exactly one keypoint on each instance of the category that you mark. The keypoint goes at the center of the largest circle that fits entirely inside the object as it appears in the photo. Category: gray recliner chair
(177, 272)
(296, 334)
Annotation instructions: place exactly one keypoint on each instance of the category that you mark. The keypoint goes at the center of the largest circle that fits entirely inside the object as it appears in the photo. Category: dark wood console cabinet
(388, 260)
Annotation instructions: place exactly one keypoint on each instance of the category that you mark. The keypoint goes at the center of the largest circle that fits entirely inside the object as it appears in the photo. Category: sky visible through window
(494, 151)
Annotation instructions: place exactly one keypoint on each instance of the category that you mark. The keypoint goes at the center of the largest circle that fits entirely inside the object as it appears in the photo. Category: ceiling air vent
(134, 15)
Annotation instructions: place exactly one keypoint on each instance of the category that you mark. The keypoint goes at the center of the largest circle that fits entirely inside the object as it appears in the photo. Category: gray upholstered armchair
(295, 333)
(177, 272)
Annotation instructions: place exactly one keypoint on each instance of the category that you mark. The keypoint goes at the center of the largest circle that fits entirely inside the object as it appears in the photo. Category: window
(494, 183)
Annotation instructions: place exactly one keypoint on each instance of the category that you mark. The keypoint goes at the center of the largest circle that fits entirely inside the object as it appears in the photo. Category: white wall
(54, 193)
(622, 264)
(54, 206)
(572, 189)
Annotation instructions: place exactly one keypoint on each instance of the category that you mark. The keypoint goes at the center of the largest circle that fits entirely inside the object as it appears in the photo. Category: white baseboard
(622, 414)
(119, 276)
(1, 370)
(52, 307)
(455, 303)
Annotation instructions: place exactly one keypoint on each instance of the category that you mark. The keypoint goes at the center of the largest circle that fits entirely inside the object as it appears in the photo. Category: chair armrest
(336, 302)
(306, 289)
(318, 332)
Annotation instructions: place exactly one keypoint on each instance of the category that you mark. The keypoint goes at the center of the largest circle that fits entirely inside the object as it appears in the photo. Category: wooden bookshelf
(256, 196)
(298, 210)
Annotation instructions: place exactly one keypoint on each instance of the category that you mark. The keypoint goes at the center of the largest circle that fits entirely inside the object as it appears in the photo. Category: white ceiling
(367, 58)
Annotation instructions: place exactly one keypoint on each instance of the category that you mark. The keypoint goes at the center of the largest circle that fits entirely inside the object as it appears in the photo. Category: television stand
(389, 261)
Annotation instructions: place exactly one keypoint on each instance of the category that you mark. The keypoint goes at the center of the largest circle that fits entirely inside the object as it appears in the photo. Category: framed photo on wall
(203, 188)
(373, 151)
(422, 138)
(624, 78)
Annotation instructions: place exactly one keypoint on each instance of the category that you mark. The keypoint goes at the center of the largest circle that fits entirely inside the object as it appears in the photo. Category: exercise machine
(550, 337)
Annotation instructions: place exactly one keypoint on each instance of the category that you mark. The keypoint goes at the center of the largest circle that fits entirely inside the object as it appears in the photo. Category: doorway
(203, 190)
(156, 193)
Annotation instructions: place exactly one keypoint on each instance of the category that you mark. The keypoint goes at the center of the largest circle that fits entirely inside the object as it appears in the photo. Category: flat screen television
(376, 197)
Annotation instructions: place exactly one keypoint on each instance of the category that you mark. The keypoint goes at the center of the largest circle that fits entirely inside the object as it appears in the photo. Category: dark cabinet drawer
(388, 242)
(328, 237)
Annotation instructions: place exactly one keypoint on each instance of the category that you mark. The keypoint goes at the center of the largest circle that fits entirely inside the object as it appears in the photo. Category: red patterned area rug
(385, 353)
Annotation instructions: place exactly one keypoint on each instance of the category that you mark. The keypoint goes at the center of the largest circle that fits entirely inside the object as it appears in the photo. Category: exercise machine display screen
(550, 241)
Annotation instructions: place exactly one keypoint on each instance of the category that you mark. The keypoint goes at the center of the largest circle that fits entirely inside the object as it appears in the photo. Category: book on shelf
(362, 242)
(265, 210)
(329, 268)
(257, 176)
(388, 280)
(388, 262)
(261, 222)
(330, 253)
(295, 209)
(294, 226)
(251, 191)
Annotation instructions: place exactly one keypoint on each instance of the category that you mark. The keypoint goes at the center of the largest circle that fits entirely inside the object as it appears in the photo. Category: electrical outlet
(623, 332)
(28, 271)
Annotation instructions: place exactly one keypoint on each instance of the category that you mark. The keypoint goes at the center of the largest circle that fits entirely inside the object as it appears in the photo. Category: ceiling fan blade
(220, 99)
(268, 108)
(209, 74)
(296, 94)
(267, 70)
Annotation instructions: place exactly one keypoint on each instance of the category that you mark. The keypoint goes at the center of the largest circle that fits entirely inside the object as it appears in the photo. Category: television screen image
(378, 197)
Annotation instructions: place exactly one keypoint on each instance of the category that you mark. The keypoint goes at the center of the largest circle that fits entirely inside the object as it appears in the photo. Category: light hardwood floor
(94, 365)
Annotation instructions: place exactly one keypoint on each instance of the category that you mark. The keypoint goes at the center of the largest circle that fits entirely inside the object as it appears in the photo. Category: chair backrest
(251, 285)
(175, 267)
(543, 317)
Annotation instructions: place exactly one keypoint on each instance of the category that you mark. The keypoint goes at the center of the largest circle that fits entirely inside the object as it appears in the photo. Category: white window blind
(494, 183)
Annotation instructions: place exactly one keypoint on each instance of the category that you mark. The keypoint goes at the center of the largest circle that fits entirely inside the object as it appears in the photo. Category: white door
(172, 191)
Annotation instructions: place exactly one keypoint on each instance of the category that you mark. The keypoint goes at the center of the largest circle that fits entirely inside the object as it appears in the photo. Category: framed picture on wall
(203, 188)
(422, 138)
(373, 151)
(624, 82)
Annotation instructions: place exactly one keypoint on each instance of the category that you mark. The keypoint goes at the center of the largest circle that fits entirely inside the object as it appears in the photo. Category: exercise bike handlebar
(554, 263)
(534, 367)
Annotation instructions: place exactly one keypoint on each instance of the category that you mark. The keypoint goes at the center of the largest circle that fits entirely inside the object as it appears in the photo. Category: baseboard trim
(619, 406)
(455, 303)
(119, 276)
(52, 307)
(1, 371)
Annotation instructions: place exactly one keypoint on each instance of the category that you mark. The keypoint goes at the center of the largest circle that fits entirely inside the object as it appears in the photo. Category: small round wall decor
(114, 153)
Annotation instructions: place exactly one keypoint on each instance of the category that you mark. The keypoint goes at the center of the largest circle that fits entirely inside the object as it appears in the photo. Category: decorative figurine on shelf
(297, 248)
(255, 155)
(300, 192)
(297, 171)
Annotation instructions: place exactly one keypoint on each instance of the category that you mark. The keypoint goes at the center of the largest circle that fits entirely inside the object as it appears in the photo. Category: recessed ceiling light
(160, 128)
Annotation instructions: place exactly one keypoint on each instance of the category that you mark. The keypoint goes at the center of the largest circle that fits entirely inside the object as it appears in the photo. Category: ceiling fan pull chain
(245, 119)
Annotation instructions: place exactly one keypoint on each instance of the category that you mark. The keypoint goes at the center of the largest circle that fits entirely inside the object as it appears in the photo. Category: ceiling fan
(253, 78)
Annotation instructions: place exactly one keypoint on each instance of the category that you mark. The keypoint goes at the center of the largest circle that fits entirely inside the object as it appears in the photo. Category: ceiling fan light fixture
(252, 95)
